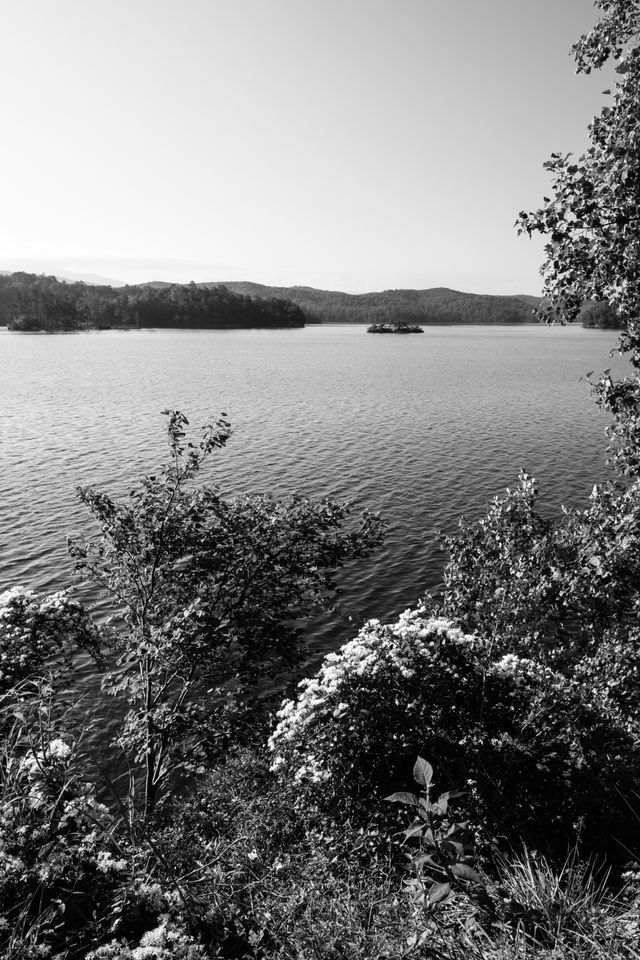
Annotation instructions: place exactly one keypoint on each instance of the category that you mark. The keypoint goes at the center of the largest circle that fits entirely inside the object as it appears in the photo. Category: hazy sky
(345, 144)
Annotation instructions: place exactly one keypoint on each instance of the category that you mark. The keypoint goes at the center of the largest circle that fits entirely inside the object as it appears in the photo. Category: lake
(422, 429)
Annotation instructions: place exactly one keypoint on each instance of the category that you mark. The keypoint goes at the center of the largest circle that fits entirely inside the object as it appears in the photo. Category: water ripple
(421, 429)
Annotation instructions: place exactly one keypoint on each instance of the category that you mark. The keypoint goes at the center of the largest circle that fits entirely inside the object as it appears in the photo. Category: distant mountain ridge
(433, 306)
(161, 303)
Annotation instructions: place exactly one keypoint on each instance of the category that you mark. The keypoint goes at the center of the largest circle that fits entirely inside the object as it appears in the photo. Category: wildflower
(59, 750)
(383, 655)
(507, 666)
(106, 863)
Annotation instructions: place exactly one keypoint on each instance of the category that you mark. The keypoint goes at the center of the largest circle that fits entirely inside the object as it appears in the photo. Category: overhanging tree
(561, 590)
(592, 218)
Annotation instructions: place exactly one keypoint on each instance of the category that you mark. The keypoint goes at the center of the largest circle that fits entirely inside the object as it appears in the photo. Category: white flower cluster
(381, 651)
(521, 669)
(41, 770)
(26, 602)
(35, 763)
(508, 666)
(8, 597)
(33, 629)
(107, 863)
(166, 942)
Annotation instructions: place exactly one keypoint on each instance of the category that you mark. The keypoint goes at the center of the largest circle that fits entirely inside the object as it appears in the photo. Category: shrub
(61, 866)
(166, 942)
(353, 730)
(264, 882)
(542, 756)
(209, 594)
(614, 671)
(37, 634)
(545, 589)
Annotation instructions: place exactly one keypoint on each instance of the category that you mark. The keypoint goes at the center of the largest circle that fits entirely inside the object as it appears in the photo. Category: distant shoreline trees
(30, 303)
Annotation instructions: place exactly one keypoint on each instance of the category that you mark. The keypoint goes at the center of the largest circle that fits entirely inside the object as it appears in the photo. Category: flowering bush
(37, 633)
(361, 718)
(542, 756)
(166, 942)
(60, 860)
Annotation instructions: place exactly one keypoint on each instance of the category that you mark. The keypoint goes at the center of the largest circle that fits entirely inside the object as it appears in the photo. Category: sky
(344, 144)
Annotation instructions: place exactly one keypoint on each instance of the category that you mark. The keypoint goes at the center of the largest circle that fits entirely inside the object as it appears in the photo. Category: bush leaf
(439, 892)
(403, 797)
(423, 773)
(467, 873)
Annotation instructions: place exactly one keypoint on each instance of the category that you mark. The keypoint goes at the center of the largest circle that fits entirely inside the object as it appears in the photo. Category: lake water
(421, 429)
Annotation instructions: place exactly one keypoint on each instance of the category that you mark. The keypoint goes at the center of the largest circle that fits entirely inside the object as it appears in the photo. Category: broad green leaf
(457, 849)
(414, 829)
(466, 872)
(423, 773)
(403, 797)
(439, 892)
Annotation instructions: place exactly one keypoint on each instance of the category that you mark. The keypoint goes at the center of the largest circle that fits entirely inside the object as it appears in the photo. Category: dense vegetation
(434, 306)
(29, 302)
(237, 833)
(397, 327)
(599, 314)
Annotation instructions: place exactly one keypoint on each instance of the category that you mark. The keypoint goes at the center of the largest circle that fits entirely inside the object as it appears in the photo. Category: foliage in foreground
(208, 595)
(525, 694)
(235, 873)
(547, 759)
(39, 634)
(591, 218)
(550, 589)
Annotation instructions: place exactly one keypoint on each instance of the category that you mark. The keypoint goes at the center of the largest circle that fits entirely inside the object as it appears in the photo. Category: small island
(395, 327)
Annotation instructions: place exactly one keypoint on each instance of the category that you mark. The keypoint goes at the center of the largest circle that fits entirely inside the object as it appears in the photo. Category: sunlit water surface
(422, 429)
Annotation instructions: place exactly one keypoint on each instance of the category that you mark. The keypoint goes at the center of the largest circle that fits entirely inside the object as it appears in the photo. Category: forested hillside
(30, 302)
(434, 306)
(438, 305)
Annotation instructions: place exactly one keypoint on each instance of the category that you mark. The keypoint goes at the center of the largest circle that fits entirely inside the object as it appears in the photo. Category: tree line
(30, 302)
(438, 305)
